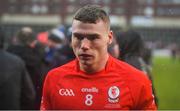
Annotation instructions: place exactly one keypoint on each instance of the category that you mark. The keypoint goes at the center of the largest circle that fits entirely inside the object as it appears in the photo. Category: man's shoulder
(11, 57)
(64, 69)
(11, 64)
(133, 78)
(128, 72)
(68, 66)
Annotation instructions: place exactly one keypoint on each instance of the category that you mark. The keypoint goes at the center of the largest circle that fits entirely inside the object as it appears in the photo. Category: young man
(95, 80)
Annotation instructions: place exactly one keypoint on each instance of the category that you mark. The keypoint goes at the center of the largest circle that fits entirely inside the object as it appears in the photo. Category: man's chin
(85, 62)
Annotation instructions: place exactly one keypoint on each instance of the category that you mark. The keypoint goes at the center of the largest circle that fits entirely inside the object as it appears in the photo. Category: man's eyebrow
(76, 33)
(93, 34)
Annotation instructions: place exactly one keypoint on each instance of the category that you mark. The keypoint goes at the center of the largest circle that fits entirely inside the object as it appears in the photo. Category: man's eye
(79, 37)
(92, 38)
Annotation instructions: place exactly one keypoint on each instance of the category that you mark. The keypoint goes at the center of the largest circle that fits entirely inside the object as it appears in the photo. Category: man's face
(90, 42)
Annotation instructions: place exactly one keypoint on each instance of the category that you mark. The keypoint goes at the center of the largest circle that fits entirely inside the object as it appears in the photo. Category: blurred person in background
(147, 58)
(95, 80)
(16, 88)
(57, 50)
(113, 48)
(27, 49)
(132, 50)
(67, 49)
(174, 51)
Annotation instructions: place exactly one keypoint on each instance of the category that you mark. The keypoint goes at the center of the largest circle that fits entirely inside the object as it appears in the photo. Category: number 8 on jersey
(88, 100)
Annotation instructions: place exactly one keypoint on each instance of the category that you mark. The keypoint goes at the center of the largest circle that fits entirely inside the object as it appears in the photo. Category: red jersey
(118, 86)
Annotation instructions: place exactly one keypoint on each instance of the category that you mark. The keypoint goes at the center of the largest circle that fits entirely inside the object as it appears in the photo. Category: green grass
(166, 75)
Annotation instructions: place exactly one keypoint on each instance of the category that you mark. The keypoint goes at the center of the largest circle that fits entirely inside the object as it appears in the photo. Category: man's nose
(85, 44)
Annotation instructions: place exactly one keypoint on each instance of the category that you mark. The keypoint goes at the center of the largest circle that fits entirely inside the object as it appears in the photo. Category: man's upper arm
(45, 100)
(146, 98)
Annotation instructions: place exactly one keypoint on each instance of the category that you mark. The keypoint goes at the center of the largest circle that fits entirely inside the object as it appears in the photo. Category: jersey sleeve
(45, 100)
(146, 98)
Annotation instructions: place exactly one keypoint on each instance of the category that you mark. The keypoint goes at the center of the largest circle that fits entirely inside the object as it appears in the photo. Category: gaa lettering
(66, 92)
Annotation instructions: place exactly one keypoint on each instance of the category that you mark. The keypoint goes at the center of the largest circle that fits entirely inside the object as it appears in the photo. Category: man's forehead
(78, 25)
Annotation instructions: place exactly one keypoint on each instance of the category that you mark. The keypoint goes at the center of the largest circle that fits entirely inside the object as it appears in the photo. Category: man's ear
(110, 37)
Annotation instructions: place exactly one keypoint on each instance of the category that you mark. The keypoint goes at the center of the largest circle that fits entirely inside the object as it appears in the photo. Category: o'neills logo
(92, 89)
(113, 94)
(66, 92)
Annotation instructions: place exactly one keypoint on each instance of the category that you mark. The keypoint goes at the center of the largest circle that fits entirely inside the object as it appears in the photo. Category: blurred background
(157, 21)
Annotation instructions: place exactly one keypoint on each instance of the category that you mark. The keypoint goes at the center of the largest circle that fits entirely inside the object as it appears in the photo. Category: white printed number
(88, 100)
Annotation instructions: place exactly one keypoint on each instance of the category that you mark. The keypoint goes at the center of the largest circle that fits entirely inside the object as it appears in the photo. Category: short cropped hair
(25, 36)
(91, 14)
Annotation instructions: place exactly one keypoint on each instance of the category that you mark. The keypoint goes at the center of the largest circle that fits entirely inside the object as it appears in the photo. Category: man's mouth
(85, 56)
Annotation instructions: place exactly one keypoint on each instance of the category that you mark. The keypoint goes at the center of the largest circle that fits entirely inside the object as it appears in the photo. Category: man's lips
(85, 56)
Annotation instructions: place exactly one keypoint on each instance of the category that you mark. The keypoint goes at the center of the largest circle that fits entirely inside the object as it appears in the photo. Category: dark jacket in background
(33, 62)
(16, 88)
(32, 59)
